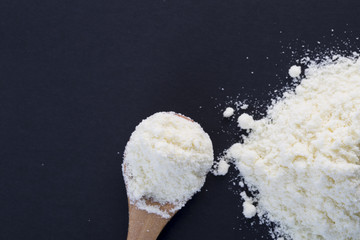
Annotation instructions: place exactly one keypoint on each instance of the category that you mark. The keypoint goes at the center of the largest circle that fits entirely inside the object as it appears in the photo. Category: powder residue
(302, 160)
(245, 121)
(166, 161)
(295, 71)
(241, 184)
(244, 106)
(222, 168)
(229, 111)
(249, 210)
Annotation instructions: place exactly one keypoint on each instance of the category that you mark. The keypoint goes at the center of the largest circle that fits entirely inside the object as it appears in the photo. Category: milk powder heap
(302, 160)
(166, 160)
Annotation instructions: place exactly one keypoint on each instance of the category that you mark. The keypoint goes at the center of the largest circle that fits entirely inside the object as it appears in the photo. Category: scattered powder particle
(245, 121)
(222, 168)
(244, 106)
(302, 160)
(249, 210)
(241, 184)
(166, 160)
(295, 71)
(229, 111)
(245, 197)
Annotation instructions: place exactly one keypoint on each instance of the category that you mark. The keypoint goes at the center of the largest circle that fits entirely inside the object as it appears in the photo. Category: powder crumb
(295, 71)
(244, 106)
(245, 121)
(241, 184)
(244, 196)
(249, 210)
(229, 111)
(222, 168)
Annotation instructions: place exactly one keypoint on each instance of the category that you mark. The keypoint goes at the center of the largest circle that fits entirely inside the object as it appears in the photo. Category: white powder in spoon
(302, 160)
(166, 161)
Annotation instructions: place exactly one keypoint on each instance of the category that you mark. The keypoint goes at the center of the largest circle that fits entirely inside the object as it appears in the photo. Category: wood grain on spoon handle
(144, 225)
(182, 116)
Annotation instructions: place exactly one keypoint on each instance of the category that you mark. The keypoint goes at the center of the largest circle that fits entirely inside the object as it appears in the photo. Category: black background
(76, 77)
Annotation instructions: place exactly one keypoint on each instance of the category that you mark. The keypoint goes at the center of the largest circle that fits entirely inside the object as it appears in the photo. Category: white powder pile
(302, 160)
(229, 111)
(166, 160)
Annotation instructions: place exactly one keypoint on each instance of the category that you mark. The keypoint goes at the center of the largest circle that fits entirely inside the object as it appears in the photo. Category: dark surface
(76, 77)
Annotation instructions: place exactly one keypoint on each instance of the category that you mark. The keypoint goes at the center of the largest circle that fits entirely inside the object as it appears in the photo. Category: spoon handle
(144, 225)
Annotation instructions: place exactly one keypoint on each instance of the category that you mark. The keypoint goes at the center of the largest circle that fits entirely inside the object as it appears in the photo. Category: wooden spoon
(144, 225)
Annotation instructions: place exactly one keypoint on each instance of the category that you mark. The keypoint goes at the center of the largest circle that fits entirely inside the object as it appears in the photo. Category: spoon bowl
(144, 225)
